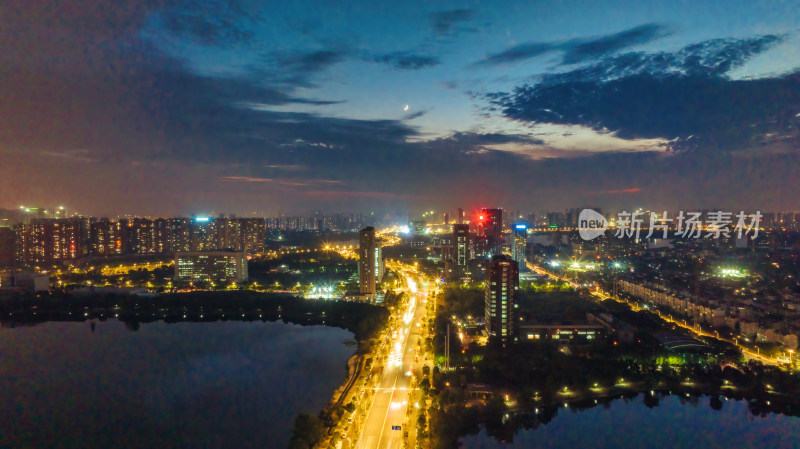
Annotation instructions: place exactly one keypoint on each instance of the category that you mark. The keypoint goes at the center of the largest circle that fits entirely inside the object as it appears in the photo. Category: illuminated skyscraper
(461, 244)
(253, 235)
(106, 238)
(366, 261)
(490, 227)
(502, 290)
(377, 255)
(519, 244)
(178, 235)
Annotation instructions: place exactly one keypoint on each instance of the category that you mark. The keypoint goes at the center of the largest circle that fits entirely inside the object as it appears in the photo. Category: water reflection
(184, 385)
(650, 420)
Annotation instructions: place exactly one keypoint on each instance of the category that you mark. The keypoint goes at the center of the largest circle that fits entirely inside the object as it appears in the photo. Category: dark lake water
(675, 423)
(185, 385)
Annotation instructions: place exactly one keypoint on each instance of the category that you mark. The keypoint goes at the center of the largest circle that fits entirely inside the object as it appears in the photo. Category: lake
(184, 385)
(676, 422)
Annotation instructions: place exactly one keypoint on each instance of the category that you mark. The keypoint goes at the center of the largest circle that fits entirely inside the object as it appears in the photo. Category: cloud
(451, 22)
(299, 68)
(407, 60)
(617, 191)
(80, 155)
(684, 95)
(290, 167)
(471, 140)
(413, 115)
(211, 22)
(353, 194)
(578, 50)
(85, 78)
(283, 182)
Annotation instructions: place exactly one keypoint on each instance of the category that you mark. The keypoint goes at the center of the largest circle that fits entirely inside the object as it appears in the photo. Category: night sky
(171, 107)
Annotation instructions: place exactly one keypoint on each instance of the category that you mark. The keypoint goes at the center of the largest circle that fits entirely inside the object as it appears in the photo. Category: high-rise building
(519, 244)
(201, 234)
(253, 235)
(366, 261)
(378, 257)
(105, 238)
(73, 236)
(210, 266)
(490, 227)
(160, 236)
(47, 240)
(141, 233)
(461, 244)
(554, 219)
(8, 247)
(460, 216)
(502, 291)
(179, 235)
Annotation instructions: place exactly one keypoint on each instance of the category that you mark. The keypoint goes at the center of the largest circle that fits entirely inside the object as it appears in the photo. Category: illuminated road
(391, 399)
(635, 307)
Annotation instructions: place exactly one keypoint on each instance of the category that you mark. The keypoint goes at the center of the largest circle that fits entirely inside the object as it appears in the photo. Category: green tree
(308, 431)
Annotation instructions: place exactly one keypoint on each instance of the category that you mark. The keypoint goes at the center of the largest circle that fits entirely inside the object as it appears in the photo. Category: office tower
(502, 290)
(460, 216)
(417, 227)
(490, 227)
(519, 245)
(461, 244)
(211, 266)
(201, 231)
(446, 219)
(366, 261)
(532, 219)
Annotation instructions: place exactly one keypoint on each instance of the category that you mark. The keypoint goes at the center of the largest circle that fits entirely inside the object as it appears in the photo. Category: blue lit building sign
(520, 226)
(201, 219)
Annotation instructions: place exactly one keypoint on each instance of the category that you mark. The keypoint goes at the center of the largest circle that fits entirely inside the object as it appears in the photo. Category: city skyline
(162, 108)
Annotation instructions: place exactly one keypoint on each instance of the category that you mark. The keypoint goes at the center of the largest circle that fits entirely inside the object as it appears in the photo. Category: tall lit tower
(490, 227)
(461, 244)
(519, 244)
(366, 261)
(502, 290)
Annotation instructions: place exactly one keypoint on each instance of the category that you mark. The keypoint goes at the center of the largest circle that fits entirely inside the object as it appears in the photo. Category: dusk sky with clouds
(169, 107)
